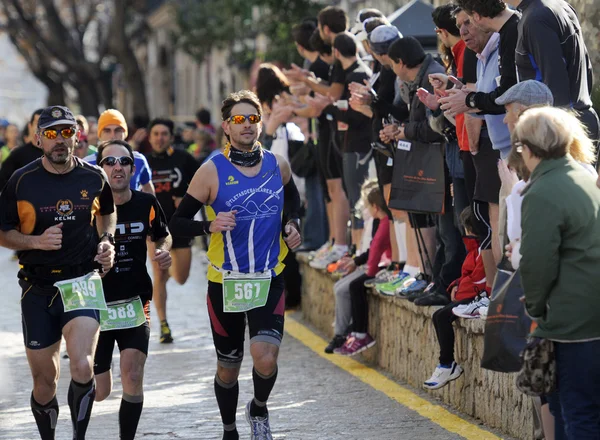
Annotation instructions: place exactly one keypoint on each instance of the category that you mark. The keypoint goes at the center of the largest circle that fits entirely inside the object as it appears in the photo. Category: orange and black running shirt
(35, 199)
(141, 217)
(172, 172)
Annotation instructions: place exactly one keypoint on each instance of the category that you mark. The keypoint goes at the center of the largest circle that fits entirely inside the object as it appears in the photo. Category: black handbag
(507, 326)
(418, 182)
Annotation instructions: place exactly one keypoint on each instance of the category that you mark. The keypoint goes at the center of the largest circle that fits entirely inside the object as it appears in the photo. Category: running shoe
(389, 289)
(332, 256)
(416, 286)
(483, 312)
(259, 426)
(321, 251)
(355, 345)
(442, 375)
(433, 299)
(382, 277)
(336, 342)
(165, 333)
(471, 310)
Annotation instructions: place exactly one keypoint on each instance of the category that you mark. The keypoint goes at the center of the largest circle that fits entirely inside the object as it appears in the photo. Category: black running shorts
(264, 323)
(487, 182)
(43, 316)
(137, 338)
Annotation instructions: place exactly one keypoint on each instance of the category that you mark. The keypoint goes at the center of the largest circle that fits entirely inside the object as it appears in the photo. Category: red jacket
(380, 246)
(461, 131)
(472, 280)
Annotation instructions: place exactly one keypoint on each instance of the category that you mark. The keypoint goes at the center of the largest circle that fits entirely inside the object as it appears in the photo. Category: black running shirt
(141, 217)
(172, 172)
(35, 199)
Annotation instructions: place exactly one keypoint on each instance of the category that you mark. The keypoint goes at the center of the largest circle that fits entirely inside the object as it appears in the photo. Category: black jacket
(551, 49)
(417, 128)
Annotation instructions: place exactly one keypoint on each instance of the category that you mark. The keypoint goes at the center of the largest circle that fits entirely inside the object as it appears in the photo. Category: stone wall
(407, 348)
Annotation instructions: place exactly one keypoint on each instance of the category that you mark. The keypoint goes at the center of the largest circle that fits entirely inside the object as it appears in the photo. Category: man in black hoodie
(550, 48)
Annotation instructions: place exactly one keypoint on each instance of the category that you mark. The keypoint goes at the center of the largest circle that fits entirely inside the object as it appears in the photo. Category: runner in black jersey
(47, 213)
(128, 288)
(172, 171)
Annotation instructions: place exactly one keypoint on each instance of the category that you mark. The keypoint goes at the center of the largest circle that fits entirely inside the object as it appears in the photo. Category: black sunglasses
(111, 161)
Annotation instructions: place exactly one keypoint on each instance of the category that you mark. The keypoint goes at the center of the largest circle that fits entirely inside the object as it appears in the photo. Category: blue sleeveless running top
(255, 244)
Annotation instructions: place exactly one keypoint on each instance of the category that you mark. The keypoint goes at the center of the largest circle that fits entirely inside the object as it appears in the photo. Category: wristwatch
(111, 237)
(470, 100)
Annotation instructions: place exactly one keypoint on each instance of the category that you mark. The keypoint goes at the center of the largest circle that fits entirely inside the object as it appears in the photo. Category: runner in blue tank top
(245, 189)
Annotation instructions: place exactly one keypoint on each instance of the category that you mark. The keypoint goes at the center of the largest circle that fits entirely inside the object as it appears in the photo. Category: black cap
(56, 115)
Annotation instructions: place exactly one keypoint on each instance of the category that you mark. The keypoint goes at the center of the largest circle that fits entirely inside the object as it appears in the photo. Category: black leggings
(360, 305)
(442, 321)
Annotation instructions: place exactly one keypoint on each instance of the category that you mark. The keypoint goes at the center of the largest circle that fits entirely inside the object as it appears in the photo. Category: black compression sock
(227, 398)
(262, 389)
(45, 417)
(231, 435)
(81, 400)
(129, 416)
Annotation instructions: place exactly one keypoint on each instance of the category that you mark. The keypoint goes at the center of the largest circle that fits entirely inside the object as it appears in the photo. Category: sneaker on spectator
(321, 251)
(417, 286)
(390, 287)
(337, 342)
(471, 310)
(332, 256)
(483, 311)
(382, 277)
(442, 375)
(433, 299)
(355, 345)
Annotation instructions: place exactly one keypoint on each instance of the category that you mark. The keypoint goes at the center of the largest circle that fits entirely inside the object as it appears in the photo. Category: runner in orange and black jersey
(58, 213)
(128, 288)
(172, 172)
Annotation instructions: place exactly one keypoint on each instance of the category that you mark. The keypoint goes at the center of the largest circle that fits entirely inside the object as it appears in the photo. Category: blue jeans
(578, 374)
(316, 228)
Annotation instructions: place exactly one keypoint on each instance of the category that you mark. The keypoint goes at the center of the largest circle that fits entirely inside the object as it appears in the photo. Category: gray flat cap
(529, 93)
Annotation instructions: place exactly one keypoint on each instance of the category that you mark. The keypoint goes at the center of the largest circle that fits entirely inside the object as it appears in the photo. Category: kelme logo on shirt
(231, 181)
(84, 194)
(64, 209)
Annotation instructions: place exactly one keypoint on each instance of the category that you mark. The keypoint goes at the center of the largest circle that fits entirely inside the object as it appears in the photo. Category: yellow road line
(435, 413)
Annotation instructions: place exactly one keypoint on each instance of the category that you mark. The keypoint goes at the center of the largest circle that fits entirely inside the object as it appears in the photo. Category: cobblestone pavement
(312, 399)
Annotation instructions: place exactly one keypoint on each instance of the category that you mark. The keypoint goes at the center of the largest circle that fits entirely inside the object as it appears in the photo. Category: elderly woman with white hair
(560, 261)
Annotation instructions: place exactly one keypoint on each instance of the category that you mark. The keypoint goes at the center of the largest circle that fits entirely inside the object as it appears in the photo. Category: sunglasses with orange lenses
(240, 119)
(66, 133)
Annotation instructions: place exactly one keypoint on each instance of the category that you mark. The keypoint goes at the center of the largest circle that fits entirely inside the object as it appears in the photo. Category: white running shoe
(483, 311)
(441, 376)
(471, 310)
(325, 248)
(335, 254)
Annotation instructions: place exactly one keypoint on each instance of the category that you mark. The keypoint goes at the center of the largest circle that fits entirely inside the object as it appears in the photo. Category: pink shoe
(355, 345)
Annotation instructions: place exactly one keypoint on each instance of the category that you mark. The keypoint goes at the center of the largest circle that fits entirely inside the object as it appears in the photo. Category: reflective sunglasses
(66, 133)
(111, 161)
(240, 119)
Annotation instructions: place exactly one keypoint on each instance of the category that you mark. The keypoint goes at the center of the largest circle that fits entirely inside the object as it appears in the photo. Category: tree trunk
(88, 97)
(120, 47)
(56, 93)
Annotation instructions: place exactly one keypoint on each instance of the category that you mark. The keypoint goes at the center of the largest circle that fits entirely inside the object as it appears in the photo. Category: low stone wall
(407, 348)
